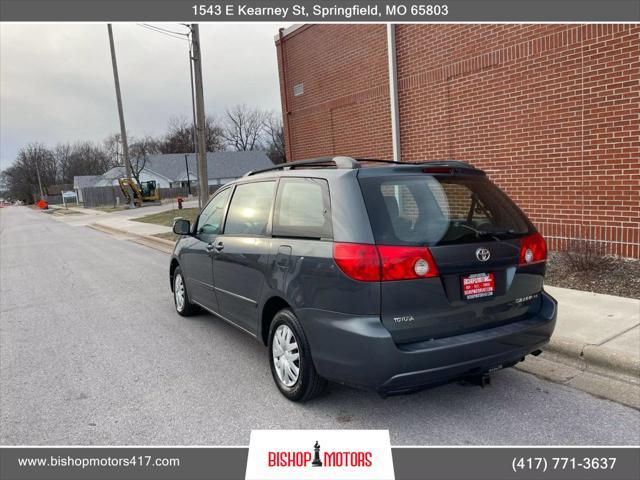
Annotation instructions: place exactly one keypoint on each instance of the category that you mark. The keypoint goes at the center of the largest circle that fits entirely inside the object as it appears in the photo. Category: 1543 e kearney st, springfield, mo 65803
(348, 12)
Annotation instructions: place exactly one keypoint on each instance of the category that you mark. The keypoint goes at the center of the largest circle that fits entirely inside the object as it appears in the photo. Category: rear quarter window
(302, 209)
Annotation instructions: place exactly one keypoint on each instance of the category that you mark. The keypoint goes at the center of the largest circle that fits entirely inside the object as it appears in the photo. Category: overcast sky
(57, 82)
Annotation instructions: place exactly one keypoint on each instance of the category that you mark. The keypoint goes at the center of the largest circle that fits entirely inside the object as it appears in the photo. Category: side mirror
(181, 226)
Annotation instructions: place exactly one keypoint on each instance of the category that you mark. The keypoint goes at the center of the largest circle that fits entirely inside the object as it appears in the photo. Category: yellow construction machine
(146, 192)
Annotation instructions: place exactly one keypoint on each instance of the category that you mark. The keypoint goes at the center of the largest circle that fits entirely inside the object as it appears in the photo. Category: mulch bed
(616, 276)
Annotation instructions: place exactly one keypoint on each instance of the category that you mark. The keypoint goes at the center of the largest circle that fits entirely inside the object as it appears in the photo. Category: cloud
(56, 81)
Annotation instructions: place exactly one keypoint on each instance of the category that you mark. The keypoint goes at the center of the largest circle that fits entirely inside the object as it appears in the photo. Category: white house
(222, 167)
(177, 169)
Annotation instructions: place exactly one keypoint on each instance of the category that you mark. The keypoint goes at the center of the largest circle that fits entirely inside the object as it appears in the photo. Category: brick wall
(550, 112)
(345, 105)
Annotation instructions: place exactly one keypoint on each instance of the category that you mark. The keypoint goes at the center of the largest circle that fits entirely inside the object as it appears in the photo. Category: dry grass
(166, 218)
(110, 209)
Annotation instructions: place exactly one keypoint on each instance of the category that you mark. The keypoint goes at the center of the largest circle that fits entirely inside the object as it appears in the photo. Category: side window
(249, 210)
(303, 209)
(210, 220)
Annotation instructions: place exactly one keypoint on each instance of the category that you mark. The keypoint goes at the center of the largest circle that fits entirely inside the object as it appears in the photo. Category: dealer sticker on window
(478, 285)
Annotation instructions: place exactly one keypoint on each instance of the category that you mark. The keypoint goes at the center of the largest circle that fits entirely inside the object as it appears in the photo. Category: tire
(183, 306)
(307, 384)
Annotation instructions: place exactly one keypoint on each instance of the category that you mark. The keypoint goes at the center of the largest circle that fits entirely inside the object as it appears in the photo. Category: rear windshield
(440, 210)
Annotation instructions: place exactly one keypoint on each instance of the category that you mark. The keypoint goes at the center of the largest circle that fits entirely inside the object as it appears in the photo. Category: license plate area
(478, 285)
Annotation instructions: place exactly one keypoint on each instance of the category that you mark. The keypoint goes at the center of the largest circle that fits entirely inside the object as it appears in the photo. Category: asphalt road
(91, 352)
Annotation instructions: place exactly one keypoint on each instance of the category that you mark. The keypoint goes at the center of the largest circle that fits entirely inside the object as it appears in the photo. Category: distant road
(91, 352)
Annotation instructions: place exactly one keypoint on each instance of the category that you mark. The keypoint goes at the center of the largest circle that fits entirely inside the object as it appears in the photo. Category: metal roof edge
(289, 30)
(157, 174)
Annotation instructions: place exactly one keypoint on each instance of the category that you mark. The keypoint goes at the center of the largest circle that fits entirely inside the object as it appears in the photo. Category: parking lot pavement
(91, 352)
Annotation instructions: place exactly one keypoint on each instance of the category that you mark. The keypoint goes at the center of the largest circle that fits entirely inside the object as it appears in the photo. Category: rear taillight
(533, 249)
(404, 263)
(370, 263)
(358, 261)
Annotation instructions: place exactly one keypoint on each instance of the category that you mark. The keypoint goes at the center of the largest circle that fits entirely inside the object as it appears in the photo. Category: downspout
(393, 92)
(287, 135)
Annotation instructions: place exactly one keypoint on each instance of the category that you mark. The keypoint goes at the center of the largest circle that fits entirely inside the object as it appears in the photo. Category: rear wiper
(478, 233)
(508, 231)
(493, 234)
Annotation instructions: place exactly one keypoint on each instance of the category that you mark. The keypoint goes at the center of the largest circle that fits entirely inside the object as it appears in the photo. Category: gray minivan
(390, 276)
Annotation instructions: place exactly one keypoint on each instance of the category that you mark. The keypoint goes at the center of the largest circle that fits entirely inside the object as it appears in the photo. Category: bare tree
(139, 151)
(62, 156)
(179, 138)
(243, 127)
(113, 149)
(81, 158)
(274, 133)
(214, 140)
(16, 184)
(21, 178)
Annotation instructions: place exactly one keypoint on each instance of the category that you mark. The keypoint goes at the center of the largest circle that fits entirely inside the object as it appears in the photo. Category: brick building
(550, 112)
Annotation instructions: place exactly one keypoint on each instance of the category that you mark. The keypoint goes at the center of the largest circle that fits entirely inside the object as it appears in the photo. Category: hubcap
(286, 357)
(178, 291)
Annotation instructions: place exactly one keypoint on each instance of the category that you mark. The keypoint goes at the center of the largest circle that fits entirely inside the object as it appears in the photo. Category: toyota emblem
(483, 254)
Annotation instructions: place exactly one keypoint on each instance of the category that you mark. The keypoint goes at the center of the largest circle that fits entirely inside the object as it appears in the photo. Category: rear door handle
(219, 246)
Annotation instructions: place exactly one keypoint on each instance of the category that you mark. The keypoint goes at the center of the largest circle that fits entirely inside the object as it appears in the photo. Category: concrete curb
(161, 244)
(599, 356)
(601, 384)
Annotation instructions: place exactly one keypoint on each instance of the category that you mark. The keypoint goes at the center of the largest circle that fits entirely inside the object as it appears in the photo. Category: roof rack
(451, 163)
(339, 162)
(353, 163)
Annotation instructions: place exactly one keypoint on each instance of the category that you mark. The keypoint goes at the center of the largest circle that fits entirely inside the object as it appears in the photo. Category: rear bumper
(360, 351)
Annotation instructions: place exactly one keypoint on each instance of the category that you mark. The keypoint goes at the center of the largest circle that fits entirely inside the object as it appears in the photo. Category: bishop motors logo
(319, 454)
(303, 458)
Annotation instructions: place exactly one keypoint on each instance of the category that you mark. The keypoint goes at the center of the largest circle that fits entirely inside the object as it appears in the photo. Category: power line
(162, 32)
(166, 30)
(168, 33)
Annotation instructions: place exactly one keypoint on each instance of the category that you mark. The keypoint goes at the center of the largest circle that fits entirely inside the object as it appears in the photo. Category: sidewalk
(122, 224)
(122, 220)
(128, 225)
(601, 328)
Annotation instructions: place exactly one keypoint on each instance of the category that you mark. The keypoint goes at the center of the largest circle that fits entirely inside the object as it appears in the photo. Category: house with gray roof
(84, 181)
(181, 169)
(222, 167)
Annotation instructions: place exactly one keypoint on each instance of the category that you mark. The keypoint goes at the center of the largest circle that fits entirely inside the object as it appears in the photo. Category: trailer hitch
(482, 379)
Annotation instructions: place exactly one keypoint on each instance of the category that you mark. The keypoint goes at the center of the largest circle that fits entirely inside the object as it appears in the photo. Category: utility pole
(203, 178)
(123, 131)
(186, 164)
(193, 103)
(39, 181)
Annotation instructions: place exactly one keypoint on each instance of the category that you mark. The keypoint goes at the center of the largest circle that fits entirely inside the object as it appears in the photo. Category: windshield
(440, 210)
